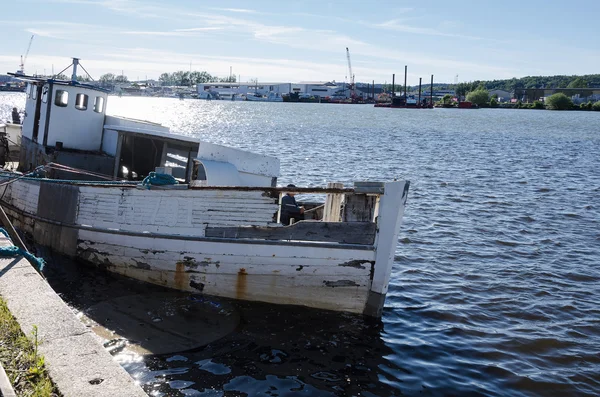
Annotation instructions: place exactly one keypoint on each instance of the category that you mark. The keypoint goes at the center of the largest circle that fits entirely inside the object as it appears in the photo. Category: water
(495, 287)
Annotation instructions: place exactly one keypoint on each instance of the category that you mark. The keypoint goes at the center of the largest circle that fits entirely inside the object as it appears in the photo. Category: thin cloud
(198, 29)
(176, 32)
(399, 26)
(155, 33)
(237, 10)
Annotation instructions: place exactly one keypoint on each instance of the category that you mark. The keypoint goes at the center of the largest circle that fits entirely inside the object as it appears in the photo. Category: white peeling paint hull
(321, 278)
(160, 237)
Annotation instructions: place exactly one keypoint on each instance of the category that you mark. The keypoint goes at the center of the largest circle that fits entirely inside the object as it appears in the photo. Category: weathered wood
(369, 187)
(118, 156)
(359, 208)
(391, 209)
(333, 203)
(346, 233)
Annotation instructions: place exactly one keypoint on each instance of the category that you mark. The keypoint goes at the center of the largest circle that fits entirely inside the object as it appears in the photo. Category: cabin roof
(168, 136)
(34, 79)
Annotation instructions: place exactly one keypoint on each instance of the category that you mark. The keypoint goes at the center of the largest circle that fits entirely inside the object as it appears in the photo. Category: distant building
(578, 95)
(503, 96)
(316, 88)
(310, 88)
(227, 90)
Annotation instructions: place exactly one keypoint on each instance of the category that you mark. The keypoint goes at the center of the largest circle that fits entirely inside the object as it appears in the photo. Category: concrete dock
(76, 360)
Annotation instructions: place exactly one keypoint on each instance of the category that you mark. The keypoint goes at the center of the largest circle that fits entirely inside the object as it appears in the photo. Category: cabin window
(81, 102)
(34, 91)
(61, 98)
(99, 104)
(45, 94)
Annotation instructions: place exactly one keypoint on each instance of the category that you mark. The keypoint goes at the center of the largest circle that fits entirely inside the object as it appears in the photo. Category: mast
(431, 93)
(74, 75)
(405, 72)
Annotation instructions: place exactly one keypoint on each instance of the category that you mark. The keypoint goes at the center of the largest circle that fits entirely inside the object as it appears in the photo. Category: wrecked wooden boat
(216, 232)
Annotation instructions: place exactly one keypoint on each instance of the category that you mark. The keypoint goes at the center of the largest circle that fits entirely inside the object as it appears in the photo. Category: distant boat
(271, 97)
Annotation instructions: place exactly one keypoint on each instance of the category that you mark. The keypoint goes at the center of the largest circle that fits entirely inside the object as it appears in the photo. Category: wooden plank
(359, 208)
(189, 193)
(369, 187)
(333, 203)
(346, 233)
(246, 248)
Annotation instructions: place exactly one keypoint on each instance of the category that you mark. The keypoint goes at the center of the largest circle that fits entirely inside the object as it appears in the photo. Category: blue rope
(158, 180)
(11, 251)
(73, 181)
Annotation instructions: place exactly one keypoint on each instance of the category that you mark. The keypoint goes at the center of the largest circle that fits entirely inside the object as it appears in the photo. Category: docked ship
(133, 198)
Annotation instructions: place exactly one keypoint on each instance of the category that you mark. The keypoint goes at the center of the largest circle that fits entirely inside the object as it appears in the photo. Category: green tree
(447, 99)
(107, 78)
(559, 101)
(165, 79)
(461, 89)
(493, 103)
(121, 79)
(578, 83)
(596, 106)
(478, 97)
(537, 105)
(204, 77)
(180, 77)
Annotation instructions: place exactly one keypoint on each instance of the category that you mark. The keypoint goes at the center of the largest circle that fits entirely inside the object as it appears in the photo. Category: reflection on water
(495, 286)
(275, 350)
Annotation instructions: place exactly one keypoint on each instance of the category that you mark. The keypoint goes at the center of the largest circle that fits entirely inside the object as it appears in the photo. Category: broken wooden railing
(348, 217)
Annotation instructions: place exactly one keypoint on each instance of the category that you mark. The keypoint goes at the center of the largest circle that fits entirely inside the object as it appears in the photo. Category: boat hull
(281, 274)
(118, 229)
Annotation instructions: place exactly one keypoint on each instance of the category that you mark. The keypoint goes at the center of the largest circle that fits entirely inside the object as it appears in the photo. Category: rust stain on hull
(241, 284)
(180, 276)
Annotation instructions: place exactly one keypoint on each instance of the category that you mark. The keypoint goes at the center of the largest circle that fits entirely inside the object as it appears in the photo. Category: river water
(496, 284)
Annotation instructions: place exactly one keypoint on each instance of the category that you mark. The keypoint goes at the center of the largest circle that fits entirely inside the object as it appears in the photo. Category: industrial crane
(21, 70)
(351, 74)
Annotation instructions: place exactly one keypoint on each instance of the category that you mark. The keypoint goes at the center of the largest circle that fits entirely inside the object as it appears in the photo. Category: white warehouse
(233, 90)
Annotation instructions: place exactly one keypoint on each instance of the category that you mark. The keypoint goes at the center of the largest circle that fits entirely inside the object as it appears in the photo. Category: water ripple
(495, 289)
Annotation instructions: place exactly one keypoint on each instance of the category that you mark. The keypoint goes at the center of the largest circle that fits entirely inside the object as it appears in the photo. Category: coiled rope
(156, 179)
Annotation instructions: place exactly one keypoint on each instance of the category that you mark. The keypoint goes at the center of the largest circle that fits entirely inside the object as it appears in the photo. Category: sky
(293, 41)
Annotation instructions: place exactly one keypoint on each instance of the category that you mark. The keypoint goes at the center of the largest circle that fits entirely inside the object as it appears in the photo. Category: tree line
(516, 85)
(559, 101)
(179, 78)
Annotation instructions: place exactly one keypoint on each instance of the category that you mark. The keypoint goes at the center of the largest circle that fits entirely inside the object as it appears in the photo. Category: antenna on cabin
(74, 75)
(75, 64)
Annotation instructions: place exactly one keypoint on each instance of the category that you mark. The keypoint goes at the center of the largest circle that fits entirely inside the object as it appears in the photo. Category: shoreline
(75, 359)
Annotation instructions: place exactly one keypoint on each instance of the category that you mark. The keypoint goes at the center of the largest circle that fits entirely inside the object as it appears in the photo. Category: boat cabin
(66, 124)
